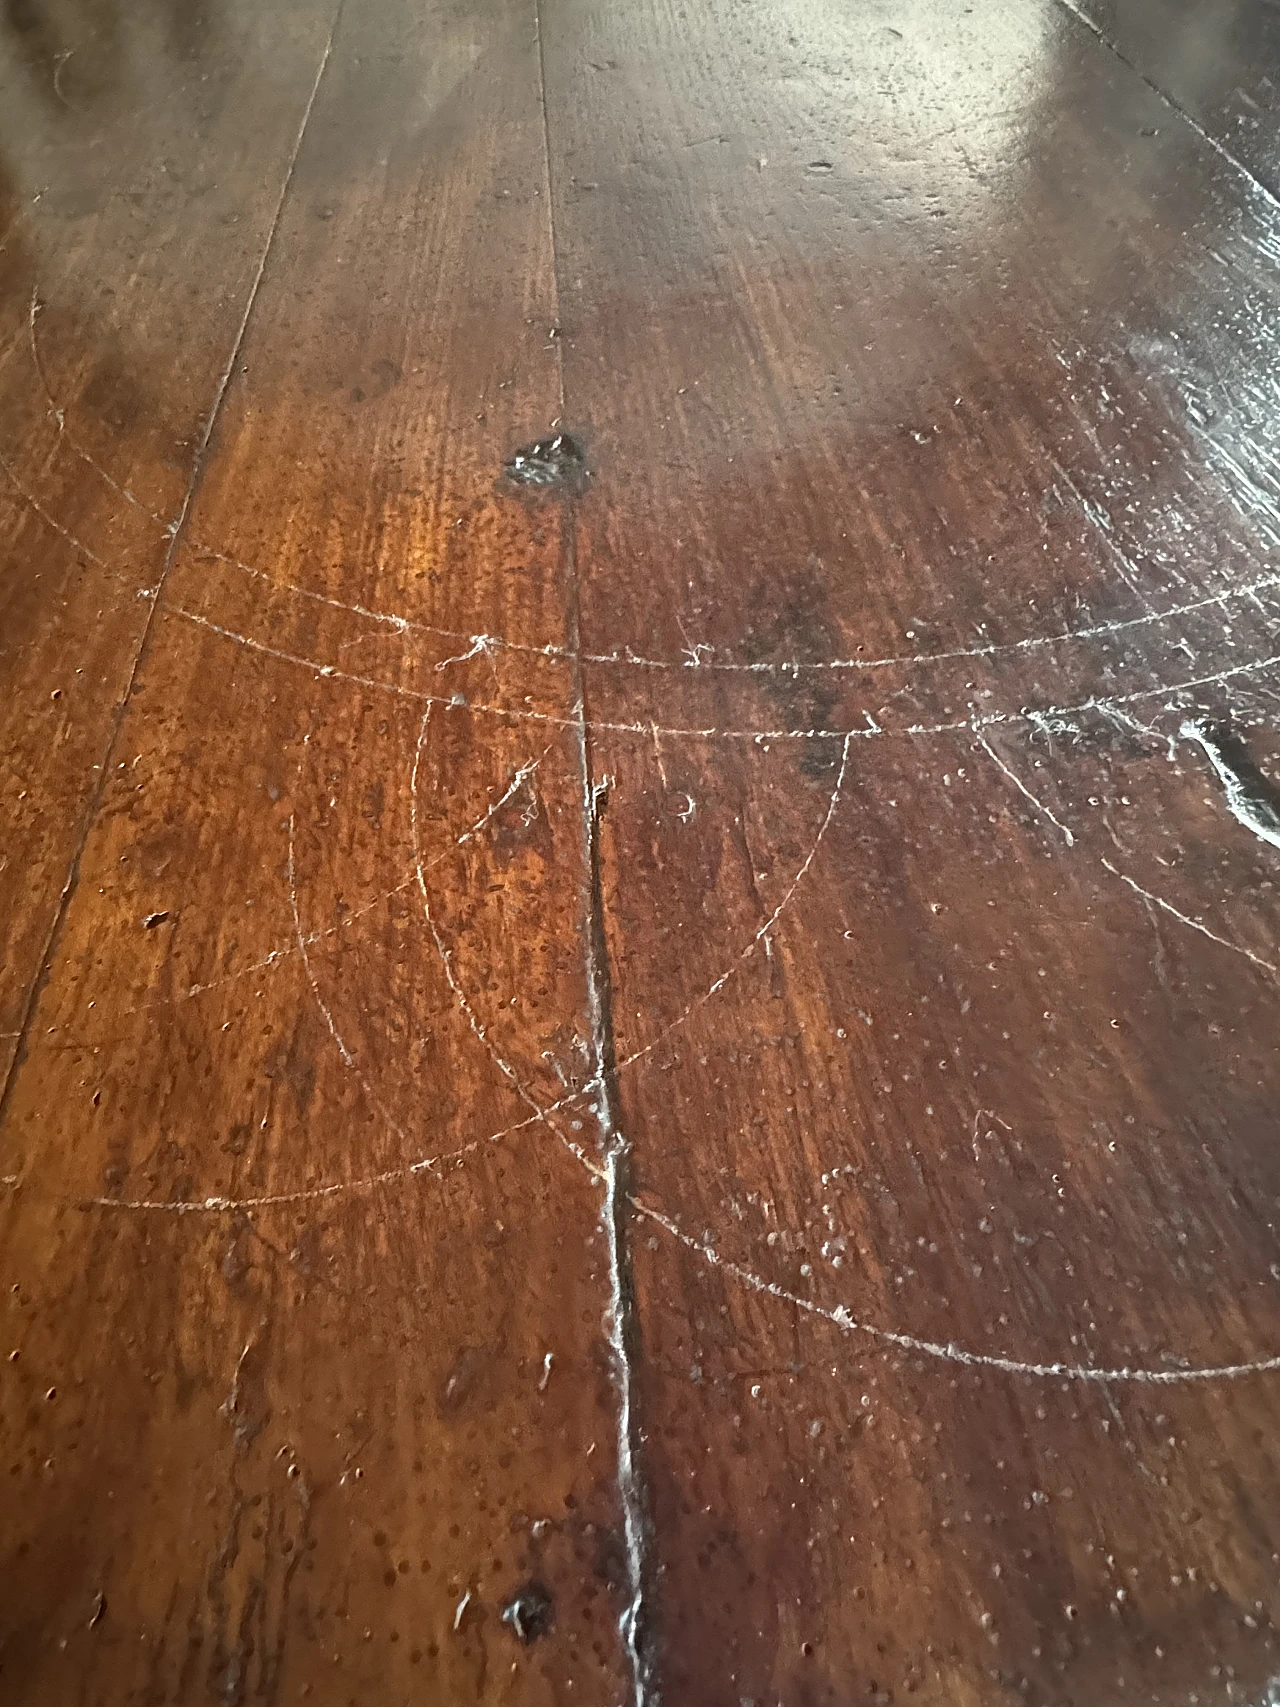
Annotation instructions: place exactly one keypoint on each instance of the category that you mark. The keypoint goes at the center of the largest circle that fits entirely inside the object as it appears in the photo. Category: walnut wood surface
(660, 1086)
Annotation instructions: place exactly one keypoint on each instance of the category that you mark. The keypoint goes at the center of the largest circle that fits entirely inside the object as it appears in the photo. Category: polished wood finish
(1215, 66)
(654, 1085)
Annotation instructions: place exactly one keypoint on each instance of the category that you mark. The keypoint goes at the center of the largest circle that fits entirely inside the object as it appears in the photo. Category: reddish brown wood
(946, 1048)
(309, 1382)
(132, 224)
(656, 1087)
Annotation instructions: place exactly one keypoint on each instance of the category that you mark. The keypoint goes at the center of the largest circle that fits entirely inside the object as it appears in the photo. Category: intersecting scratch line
(838, 1315)
(388, 1176)
(701, 657)
(326, 1013)
(459, 994)
(221, 1204)
(329, 672)
(60, 416)
(1146, 895)
(765, 929)
(277, 955)
(1022, 788)
(34, 504)
(1195, 924)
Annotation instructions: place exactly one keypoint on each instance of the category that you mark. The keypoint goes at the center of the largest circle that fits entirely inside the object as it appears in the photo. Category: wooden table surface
(648, 1076)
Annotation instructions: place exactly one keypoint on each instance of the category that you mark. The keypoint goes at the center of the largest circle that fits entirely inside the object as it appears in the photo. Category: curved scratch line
(841, 1318)
(1022, 788)
(277, 955)
(60, 416)
(1183, 918)
(328, 672)
(308, 1194)
(34, 504)
(389, 1176)
(459, 994)
(696, 659)
(329, 1021)
(765, 928)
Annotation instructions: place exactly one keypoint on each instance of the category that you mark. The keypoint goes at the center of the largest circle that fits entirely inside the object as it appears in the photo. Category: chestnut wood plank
(310, 1395)
(650, 1085)
(926, 369)
(133, 222)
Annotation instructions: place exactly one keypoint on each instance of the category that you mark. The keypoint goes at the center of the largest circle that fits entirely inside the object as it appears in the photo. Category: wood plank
(1220, 65)
(311, 1395)
(926, 511)
(132, 225)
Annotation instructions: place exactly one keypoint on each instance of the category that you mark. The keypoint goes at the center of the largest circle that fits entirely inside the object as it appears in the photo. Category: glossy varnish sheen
(640, 853)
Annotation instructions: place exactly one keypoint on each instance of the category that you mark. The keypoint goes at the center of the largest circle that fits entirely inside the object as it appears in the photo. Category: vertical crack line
(551, 202)
(175, 530)
(615, 1155)
(615, 1151)
(1238, 166)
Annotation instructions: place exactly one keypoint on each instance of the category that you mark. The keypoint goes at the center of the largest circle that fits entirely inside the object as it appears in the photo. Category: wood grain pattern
(319, 1295)
(128, 215)
(657, 1088)
(914, 1147)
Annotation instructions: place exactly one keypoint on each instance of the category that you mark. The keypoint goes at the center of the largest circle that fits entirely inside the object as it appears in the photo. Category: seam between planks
(175, 530)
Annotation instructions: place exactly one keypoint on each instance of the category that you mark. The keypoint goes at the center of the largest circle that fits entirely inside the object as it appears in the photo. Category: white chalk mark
(1022, 788)
(1195, 924)
(1241, 807)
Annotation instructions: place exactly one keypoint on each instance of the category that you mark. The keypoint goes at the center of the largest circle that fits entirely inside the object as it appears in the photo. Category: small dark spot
(530, 1612)
(154, 919)
(558, 462)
